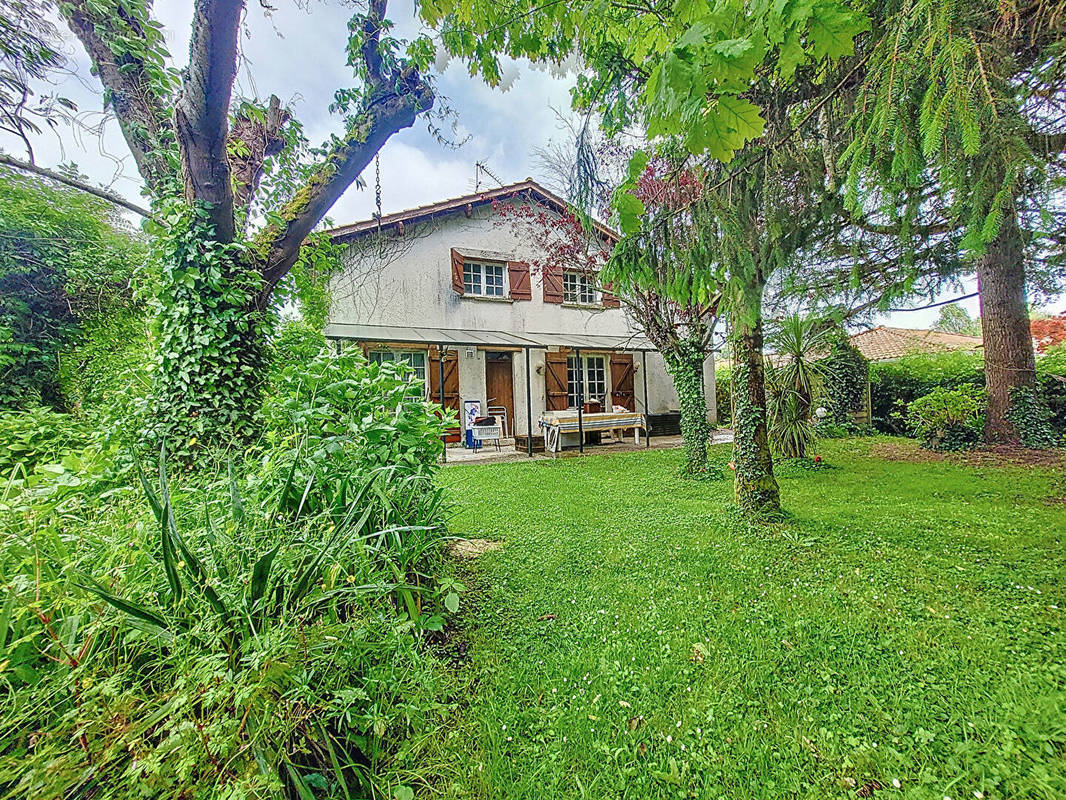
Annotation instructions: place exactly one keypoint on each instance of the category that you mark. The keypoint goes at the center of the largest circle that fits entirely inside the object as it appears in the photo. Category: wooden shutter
(622, 380)
(610, 301)
(457, 272)
(553, 284)
(518, 275)
(555, 380)
(451, 385)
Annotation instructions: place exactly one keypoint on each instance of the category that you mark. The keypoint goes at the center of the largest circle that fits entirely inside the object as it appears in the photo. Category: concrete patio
(461, 455)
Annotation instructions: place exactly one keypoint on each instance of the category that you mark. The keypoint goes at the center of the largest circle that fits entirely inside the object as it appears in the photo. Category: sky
(298, 54)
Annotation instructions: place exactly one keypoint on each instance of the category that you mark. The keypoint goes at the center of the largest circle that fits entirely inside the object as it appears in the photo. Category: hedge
(896, 383)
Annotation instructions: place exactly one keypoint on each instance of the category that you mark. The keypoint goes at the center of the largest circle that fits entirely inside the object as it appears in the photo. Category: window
(578, 288)
(593, 370)
(415, 359)
(483, 279)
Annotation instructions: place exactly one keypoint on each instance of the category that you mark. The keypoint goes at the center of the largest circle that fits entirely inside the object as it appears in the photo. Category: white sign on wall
(471, 411)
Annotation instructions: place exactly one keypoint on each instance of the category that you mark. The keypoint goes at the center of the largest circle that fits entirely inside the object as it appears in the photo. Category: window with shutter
(518, 276)
(556, 384)
(552, 276)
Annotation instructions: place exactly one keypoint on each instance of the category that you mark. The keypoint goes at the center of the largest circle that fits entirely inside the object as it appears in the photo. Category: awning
(459, 337)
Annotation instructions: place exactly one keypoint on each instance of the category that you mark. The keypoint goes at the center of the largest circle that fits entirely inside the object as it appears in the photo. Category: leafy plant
(948, 419)
(1031, 417)
(792, 434)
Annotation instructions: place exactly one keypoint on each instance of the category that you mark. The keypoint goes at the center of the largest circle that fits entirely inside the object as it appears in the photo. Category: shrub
(241, 632)
(894, 384)
(844, 382)
(35, 436)
(205, 644)
(64, 259)
(791, 431)
(947, 419)
(1051, 378)
(1031, 418)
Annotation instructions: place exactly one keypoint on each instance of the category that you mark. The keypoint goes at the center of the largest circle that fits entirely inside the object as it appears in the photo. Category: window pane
(472, 278)
(493, 280)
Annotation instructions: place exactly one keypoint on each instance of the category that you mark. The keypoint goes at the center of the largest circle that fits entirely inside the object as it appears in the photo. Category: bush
(64, 259)
(242, 632)
(1031, 418)
(844, 380)
(1051, 379)
(894, 384)
(947, 419)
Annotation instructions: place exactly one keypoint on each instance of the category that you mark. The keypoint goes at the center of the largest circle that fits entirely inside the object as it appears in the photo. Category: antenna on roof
(478, 169)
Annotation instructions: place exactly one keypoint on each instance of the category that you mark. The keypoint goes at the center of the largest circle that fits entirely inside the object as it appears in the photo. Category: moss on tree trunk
(212, 343)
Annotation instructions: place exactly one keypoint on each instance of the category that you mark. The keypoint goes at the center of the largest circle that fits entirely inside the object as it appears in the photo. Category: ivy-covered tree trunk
(685, 365)
(212, 342)
(755, 486)
(1008, 344)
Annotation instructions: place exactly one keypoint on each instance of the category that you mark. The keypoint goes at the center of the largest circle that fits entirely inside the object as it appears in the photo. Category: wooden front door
(499, 384)
(451, 385)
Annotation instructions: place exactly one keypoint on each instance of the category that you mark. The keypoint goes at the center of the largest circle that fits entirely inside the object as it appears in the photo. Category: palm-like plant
(800, 345)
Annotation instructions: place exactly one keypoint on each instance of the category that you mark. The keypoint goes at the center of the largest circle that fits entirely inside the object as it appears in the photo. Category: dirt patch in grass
(472, 548)
(1001, 455)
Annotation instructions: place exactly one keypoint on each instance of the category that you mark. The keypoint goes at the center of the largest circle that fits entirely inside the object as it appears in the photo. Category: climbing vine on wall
(211, 355)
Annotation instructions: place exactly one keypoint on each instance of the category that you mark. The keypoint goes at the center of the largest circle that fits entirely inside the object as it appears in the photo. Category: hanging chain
(377, 200)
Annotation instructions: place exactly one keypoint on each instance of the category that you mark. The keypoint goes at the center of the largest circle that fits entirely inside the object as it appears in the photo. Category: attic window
(481, 278)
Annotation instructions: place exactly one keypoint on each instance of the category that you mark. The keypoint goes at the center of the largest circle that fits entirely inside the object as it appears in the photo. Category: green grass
(905, 623)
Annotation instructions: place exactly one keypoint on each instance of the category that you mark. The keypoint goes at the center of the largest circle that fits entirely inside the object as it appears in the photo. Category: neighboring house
(887, 344)
(448, 289)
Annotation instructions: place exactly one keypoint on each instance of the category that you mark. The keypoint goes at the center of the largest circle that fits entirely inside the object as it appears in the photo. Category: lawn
(900, 635)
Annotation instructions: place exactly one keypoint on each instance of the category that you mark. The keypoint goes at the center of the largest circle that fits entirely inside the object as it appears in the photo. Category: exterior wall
(407, 281)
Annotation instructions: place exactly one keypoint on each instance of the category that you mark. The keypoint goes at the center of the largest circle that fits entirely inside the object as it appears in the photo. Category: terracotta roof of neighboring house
(884, 344)
(528, 187)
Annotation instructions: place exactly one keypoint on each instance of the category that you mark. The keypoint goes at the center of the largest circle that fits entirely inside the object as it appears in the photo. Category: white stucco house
(449, 289)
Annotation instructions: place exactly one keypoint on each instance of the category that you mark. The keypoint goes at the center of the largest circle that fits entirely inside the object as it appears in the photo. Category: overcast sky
(298, 54)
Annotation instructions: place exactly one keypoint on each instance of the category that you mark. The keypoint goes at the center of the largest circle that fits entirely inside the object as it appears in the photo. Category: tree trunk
(755, 487)
(212, 346)
(685, 366)
(1008, 344)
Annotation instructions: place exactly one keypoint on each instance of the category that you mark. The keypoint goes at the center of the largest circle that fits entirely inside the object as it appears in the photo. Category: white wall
(407, 281)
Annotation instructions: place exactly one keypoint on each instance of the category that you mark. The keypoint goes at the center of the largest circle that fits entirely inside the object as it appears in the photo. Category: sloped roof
(884, 343)
(529, 188)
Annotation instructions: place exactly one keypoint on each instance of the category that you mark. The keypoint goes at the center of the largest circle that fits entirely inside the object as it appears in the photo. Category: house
(448, 288)
(887, 344)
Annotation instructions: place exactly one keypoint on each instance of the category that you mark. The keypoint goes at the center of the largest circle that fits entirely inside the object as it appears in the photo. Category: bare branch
(202, 113)
(74, 183)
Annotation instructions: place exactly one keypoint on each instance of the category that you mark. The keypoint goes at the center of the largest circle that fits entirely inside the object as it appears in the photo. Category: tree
(64, 259)
(954, 319)
(682, 333)
(971, 95)
(235, 190)
(685, 72)
(29, 52)
(800, 345)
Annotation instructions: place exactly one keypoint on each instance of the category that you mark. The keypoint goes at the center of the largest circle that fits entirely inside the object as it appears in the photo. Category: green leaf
(451, 602)
(126, 606)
